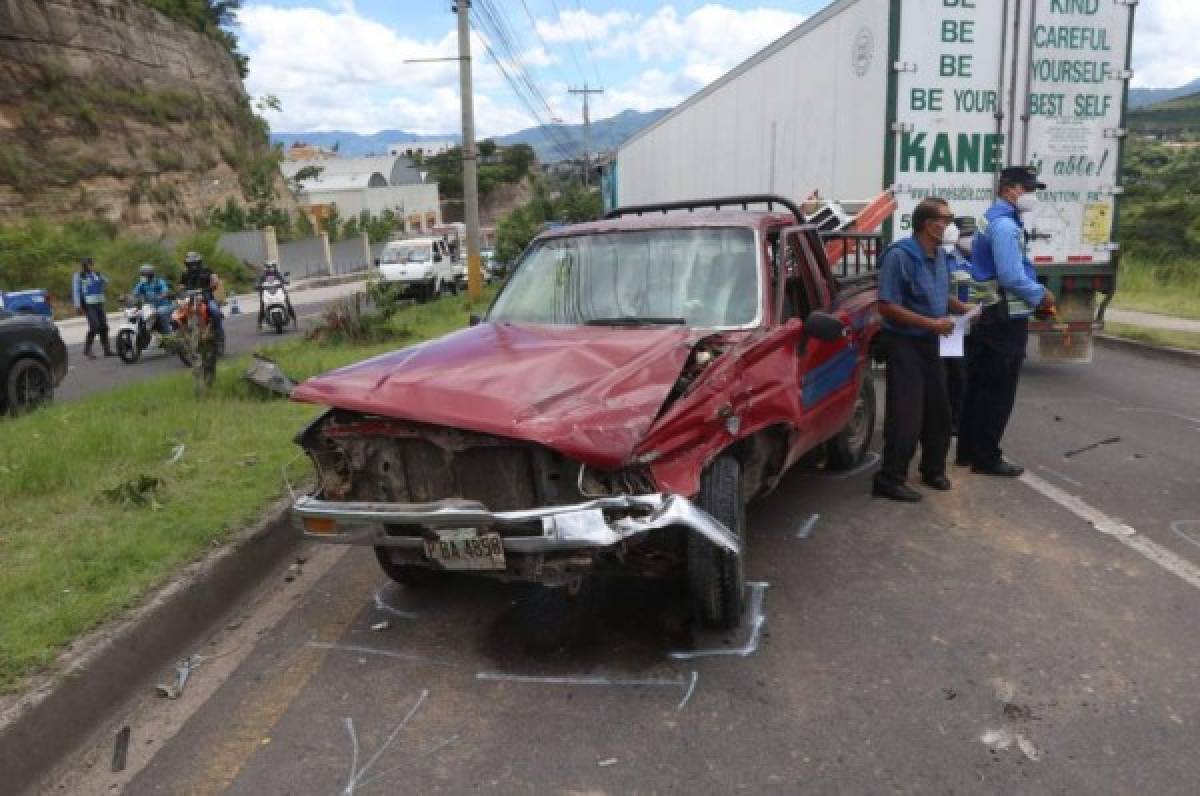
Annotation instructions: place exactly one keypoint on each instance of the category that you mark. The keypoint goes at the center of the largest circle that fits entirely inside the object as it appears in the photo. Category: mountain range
(1141, 97)
(606, 134)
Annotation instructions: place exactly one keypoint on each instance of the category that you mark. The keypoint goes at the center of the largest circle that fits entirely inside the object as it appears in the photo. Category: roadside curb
(112, 664)
(1168, 353)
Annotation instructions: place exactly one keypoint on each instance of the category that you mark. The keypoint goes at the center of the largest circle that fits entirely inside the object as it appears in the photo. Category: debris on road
(807, 528)
(267, 374)
(183, 670)
(293, 572)
(379, 626)
(177, 453)
(120, 749)
(611, 761)
(1085, 448)
(140, 492)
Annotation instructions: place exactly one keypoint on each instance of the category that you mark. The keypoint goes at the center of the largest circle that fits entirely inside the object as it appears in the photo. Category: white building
(372, 184)
(425, 149)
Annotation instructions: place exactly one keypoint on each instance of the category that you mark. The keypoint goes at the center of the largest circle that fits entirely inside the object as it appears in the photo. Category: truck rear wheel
(715, 577)
(851, 444)
(408, 574)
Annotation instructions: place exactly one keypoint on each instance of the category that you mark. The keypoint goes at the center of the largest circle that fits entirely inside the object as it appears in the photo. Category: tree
(332, 224)
(487, 148)
(519, 157)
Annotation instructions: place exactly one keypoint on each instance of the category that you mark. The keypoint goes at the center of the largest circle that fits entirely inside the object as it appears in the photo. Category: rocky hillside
(111, 110)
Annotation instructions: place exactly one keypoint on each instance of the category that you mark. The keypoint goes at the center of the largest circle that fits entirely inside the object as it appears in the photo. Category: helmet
(193, 260)
(146, 270)
(270, 265)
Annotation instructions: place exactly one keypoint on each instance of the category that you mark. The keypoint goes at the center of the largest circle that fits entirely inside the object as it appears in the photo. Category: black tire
(185, 356)
(127, 348)
(29, 386)
(715, 577)
(850, 445)
(278, 324)
(417, 577)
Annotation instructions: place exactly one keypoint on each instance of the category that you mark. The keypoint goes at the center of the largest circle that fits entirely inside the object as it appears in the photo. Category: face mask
(950, 236)
(1027, 202)
(145, 279)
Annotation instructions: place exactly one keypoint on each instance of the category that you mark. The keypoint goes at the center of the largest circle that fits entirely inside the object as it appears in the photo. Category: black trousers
(995, 351)
(956, 387)
(97, 321)
(917, 408)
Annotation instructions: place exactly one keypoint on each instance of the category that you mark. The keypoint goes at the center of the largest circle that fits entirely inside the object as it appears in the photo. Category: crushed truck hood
(590, 393)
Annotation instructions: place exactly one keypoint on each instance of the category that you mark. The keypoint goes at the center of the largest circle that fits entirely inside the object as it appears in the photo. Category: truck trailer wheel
(715, 577)
(851, 444)
(408, 574)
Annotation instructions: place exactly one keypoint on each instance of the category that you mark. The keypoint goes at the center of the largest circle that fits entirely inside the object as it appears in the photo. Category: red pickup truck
(636, 381)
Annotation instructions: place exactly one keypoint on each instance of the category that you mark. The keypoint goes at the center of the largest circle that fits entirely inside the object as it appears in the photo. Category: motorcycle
(138, 331)
(275, 304)
(198, 344)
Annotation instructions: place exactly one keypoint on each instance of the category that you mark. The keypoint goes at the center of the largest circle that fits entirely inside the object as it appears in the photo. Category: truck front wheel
(417, 577)
(715, 577)
(851, 444)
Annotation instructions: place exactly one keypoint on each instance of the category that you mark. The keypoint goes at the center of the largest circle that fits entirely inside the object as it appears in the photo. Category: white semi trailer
(929, 98)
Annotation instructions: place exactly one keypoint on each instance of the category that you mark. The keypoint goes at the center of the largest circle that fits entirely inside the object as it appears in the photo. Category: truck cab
(635, 382)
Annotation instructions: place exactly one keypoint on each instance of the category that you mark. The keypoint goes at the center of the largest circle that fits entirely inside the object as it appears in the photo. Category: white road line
(1118, 530)
(1060, 476)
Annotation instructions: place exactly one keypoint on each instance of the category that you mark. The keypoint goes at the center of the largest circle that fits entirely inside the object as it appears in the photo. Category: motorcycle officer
(197, 276)
(155, 291)
(270, 274)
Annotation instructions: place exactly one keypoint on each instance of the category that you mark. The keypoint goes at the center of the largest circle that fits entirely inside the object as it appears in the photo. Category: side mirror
(287, 273)
(376, 262)
(823, 326)
(475, 319)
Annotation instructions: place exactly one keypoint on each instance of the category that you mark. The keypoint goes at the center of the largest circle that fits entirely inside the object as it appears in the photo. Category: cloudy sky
(339, 64)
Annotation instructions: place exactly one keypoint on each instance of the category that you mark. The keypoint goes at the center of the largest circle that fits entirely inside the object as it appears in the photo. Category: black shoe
(938, 482)
(999, 467)
(899, 492)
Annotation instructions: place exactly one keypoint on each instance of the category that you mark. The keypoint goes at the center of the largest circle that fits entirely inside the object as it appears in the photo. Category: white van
(422, 267)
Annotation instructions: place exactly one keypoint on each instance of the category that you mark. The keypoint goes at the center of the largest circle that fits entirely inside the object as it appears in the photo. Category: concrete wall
(249, 246)
(350, 256)
(304, 258)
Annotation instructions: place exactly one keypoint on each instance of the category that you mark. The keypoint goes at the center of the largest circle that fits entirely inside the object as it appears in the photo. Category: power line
(587, 41)
(504, 48)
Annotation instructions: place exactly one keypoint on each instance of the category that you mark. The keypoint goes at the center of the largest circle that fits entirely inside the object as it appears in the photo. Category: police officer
(996, 346)
(914, 299)
(87, 291)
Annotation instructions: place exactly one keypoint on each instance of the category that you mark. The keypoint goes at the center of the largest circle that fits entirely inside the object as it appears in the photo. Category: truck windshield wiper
(633, 320)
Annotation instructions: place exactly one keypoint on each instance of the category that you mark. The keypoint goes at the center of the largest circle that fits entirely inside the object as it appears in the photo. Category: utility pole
(470, 176)
(587, 128)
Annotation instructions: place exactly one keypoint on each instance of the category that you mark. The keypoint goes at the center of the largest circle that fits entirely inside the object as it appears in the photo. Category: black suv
(33, 361)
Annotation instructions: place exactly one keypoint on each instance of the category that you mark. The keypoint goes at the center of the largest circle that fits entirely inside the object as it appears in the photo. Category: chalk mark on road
(357, 775)
(1195, 421)
(364, 650)
(688, 685)
(1118, 530)
(757, 618)
(382, 605)
(869, 461)
(1178, 527)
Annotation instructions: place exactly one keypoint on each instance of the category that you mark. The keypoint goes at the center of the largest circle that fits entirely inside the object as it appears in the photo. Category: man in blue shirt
(914, 300)
(996, 346)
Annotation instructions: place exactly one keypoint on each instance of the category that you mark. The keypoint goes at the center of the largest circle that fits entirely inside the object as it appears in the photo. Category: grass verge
(97, 508)
(1163, 337)
(1167, 289)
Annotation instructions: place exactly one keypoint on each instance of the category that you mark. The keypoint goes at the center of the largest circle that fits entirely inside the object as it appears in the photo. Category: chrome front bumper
(564, 528)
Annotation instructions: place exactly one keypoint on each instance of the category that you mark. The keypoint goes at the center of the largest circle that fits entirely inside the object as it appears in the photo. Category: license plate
(466, 549)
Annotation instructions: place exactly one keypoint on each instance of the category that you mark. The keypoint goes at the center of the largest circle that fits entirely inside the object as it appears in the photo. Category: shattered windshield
(407, 254)
(704, 278)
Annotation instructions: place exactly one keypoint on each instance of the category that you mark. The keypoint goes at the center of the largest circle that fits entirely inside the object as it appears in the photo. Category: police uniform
(996, 346)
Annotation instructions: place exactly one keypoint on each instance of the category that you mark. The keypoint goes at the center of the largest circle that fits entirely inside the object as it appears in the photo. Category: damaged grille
(395, 461)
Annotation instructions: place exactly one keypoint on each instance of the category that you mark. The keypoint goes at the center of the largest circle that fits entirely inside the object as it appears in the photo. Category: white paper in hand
(952, 344)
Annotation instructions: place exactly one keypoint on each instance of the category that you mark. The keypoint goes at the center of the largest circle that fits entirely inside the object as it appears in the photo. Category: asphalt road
(1011, 636)
(87, 376)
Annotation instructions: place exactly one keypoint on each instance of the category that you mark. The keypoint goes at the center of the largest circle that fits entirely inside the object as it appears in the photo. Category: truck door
(825, 371)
